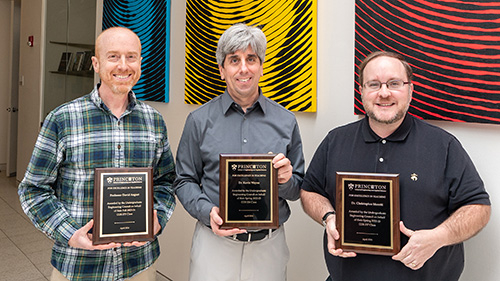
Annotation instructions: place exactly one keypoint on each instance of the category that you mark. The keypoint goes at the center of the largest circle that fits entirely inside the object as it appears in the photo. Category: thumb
(88, 226)
(214, 214)
(406, 231)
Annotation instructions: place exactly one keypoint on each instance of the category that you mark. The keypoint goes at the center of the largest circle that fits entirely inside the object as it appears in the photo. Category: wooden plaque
(367, 206)
(248, 191)
(123, 205)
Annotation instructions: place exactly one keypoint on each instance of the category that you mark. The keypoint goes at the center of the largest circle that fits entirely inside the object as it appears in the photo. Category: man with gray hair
(241, 120)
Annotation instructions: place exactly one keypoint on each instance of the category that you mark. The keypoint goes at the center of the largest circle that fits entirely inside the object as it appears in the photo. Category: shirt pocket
(142, 149)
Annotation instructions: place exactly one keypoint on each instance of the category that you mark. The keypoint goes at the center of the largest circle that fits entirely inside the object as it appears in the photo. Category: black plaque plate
(367, 206)
(123, 205)
(248, 191)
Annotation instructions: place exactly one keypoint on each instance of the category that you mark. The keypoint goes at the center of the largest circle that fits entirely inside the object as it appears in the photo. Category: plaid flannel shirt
(57, 191)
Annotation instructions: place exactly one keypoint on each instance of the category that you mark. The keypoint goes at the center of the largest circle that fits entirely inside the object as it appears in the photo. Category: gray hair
(237, 38)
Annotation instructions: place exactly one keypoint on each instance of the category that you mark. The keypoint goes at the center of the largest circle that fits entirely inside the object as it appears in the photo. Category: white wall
(335, 107)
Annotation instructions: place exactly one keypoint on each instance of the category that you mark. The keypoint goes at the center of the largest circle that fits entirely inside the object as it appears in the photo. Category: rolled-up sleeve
(36, 191)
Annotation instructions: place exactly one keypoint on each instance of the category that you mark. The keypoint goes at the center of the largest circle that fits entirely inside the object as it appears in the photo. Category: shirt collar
(96, 99)
(399, 135)
(227, 102)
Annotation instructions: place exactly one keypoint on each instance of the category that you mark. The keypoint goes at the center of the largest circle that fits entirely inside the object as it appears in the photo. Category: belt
(252, 235)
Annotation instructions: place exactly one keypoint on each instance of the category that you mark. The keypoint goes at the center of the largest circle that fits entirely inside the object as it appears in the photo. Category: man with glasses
(443, 200)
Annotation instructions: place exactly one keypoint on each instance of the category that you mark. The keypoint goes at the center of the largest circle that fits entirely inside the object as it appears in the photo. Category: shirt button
(245, 140)
(384, 141)
(381, 159)
(119, 146)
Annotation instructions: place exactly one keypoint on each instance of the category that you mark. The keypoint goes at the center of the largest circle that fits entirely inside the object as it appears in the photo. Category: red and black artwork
(452, 46)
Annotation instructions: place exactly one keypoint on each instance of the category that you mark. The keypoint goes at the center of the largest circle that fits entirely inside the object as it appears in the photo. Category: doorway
(10, 17)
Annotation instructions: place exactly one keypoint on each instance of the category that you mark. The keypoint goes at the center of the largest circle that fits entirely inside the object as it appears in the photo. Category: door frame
(12, 117)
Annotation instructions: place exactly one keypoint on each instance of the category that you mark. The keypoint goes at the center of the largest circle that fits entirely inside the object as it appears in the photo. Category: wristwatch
(323, 219)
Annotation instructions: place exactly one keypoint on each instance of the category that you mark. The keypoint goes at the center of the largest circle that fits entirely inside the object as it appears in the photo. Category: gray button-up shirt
(221, 126)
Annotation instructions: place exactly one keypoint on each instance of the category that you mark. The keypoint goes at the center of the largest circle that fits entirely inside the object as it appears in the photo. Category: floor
(24, 251)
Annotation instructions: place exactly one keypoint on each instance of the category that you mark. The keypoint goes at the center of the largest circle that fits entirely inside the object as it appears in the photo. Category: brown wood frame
(224, 159)
(394, 213)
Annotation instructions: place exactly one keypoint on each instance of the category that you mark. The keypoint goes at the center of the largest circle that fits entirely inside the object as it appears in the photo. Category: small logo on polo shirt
(414, 177)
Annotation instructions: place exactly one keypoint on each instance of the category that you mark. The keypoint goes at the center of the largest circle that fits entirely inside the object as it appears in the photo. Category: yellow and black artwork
(290, 66)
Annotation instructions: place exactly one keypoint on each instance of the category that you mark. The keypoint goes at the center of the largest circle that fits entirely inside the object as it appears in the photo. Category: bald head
(117, 60)
(113, 34)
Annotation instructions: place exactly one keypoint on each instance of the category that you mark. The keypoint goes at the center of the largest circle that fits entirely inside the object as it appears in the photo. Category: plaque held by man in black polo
(368, 213)
(123, 205)
(248, 191)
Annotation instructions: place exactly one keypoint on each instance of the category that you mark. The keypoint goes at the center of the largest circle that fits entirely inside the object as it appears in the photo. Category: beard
(400, 114)
(121, 89)
(397, 117)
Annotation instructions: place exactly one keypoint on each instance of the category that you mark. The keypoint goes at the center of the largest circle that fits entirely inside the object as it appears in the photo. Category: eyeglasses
(394, 84)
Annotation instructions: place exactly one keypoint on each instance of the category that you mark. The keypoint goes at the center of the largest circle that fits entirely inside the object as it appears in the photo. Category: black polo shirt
(446, 179)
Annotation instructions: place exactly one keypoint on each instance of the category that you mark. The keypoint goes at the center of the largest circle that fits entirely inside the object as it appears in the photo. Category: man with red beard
(443, 200)
(107, 128)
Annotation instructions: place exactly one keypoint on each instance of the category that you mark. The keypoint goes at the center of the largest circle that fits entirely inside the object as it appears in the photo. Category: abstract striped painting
(290, 66)
(150, 20)
(453, 47)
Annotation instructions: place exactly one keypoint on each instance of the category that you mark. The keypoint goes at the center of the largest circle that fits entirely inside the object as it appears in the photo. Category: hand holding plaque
(367, 207)
(248, 191)
(123, 210)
